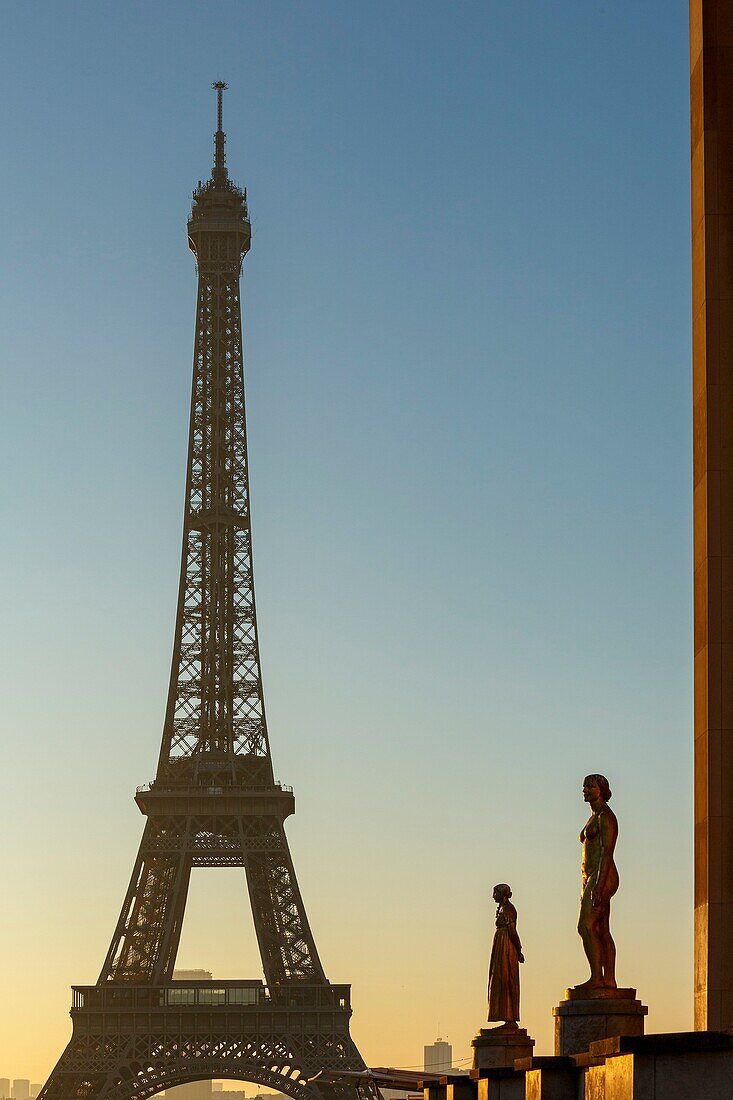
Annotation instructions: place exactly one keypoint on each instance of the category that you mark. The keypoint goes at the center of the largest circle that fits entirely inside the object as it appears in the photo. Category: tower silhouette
(214, 801)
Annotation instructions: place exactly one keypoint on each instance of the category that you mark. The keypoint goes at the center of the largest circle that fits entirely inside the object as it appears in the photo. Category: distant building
(240, 1094)
(20, 1089)
(191, 975)
(438, 1057)
(194, 1090)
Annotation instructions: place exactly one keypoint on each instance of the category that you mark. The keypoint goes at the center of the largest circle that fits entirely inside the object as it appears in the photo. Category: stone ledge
(680, 1042)
(545, 1061)
(496, 1074)
(584, 1060)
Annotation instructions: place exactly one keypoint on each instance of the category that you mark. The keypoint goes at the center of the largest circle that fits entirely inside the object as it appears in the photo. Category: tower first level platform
(137, 1040)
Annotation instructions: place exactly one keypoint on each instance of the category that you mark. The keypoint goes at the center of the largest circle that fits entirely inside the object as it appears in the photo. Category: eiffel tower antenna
(220, 172)
(214, 801)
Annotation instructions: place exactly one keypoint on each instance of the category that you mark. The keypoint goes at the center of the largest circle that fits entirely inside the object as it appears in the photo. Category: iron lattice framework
(214, 801)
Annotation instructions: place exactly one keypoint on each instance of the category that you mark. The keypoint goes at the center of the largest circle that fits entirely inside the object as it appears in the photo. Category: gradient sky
(467, 349)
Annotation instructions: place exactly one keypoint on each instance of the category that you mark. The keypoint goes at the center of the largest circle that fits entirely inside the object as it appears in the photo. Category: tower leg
(148, 931)
(286, 945)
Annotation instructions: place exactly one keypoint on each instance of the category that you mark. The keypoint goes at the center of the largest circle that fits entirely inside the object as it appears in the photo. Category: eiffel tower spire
(214, 801)
(219, 173)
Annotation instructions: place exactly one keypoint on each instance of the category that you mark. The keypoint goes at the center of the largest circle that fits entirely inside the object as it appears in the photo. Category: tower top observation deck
(219, 206)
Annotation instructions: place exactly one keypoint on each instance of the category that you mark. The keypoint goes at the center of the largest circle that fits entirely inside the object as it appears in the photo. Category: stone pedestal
(587, 1016)
(499, 1047)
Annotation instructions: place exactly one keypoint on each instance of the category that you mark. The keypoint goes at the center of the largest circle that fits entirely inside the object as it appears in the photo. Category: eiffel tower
(214, 801)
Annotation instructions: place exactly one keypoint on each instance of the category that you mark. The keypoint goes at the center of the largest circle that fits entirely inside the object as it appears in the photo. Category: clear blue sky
(467, 363)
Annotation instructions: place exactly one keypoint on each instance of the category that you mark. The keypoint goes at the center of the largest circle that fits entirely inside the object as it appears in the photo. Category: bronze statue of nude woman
(600, 883)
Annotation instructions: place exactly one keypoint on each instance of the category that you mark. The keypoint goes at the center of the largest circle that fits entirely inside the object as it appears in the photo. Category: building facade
(438, 1057)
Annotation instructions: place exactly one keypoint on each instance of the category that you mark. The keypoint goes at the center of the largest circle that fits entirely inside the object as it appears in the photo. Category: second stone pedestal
(585, 1017)
(499, 1047)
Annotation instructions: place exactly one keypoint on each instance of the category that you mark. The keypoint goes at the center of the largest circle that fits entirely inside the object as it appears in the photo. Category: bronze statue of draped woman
(506, 955)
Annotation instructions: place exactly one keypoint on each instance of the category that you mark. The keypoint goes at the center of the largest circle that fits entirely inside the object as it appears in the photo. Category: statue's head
(502, 892)
(596, 783)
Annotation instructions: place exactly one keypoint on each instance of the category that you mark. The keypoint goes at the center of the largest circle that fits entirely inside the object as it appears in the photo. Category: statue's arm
(608, 834)
(514, 937)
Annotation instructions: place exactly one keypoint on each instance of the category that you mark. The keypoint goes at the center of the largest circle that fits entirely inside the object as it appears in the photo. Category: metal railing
(153, 785)
(239, 995)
